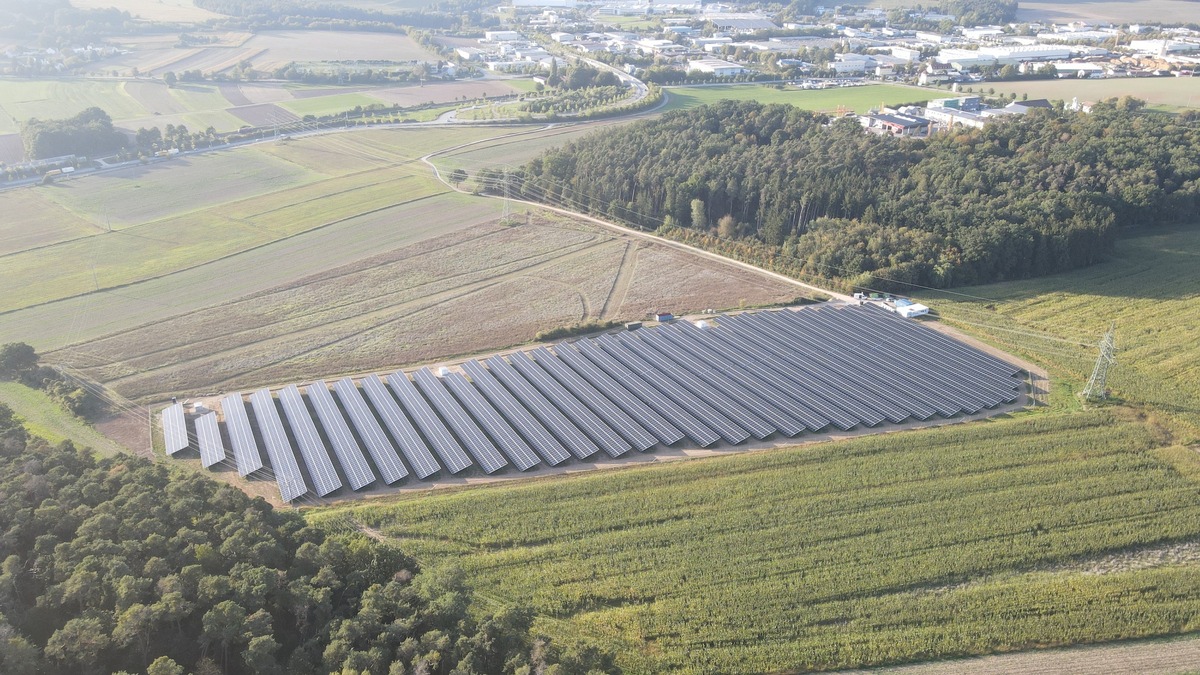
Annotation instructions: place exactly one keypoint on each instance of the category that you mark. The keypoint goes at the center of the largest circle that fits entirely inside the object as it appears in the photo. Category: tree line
(1021, 197)
(119, 565)
(19, 362)
(90, 133)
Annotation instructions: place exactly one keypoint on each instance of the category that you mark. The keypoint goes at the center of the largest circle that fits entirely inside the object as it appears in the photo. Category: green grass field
(1169, 94)
(1149, 288)
(21, 100)
(865, 552)
(858, 99)
(45, 418)
(328, 105)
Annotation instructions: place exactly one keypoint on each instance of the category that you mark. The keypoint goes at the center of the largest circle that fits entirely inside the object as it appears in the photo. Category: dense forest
(1021, 197)
(116, 565)
(89, 134)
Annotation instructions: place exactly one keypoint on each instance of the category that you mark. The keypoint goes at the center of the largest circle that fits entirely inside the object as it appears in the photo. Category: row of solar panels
(751, 375)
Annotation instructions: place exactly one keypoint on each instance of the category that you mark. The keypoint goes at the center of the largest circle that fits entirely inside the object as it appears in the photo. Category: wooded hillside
(1020, 198)
(116, 565)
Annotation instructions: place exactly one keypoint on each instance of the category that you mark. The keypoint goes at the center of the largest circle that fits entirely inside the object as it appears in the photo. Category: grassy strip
(45, 418)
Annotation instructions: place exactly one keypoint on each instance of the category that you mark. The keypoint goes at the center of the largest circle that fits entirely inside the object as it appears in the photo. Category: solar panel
(241, 435)
(478, 444)
(831, 375)
(802, 385)
(804, 411)
(957, 387)
(947, 366)
(175, 434)
(866, 375)
(616, 417)
(411, 444)
(208, 434)
(759, 405)
(312, 449)
(713, 418)
(345, 446)
(518, 451)
(700, 434)
(454, 458)
(745, 419)
(551, 450)
(610, 441)
(617, 392)
(566, 431)
(279, 448)
(372, 435)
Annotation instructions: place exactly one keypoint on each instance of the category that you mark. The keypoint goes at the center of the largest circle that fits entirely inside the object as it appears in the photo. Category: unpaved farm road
(1156, 657)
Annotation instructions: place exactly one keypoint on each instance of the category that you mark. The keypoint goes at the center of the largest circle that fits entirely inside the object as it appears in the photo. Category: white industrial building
(717, 67)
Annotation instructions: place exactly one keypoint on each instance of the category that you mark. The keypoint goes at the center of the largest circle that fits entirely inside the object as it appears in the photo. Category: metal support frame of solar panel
(485, 452)
(622, 422)
(711, 417)
(415, 450)
(995, 374)
(920, 353)
(510, 442)
(534, 432)
(759, 405)
(933, 368)
(924, 386)
(372, 435)
(241, 435)
(174, 427)
(627, 391)
(901, 385)
(982, 359)
(608, 440)
(453, 457)
(312, 448)
(538, 405)
(208, 437)
(279, 449)
(798, 383)
(802, 410)
(576, 368)
(758, 427)
(846, 389)
(696, 430)
(345, 446)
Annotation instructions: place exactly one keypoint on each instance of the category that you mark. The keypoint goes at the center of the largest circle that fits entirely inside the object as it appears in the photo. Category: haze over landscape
(556, 337)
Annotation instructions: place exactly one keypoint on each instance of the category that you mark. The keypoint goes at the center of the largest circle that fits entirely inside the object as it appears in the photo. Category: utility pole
(1096, 388)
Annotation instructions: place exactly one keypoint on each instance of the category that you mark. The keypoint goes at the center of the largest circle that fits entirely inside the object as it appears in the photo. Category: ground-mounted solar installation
(729, 379)
(174, 426)
(208, 436)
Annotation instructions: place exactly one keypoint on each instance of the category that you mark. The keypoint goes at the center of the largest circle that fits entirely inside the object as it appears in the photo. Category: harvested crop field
(443, 92)
(182, 11)
(1166, 93)
(278, 48)
(12, 150)
(477, 289)
(1116, 11)
(263, 114)
(155, 96)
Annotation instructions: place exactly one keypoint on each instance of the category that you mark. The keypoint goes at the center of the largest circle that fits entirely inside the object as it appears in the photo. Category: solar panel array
(175, 435)
(754, 375)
